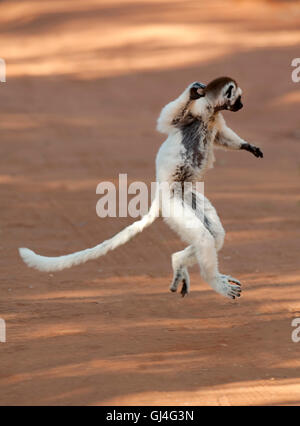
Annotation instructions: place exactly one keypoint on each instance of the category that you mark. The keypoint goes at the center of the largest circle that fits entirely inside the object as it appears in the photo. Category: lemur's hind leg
(181, 260)
(206, 236)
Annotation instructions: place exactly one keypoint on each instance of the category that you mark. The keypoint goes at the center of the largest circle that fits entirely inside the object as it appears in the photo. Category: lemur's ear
(196, 90)
(229, 91)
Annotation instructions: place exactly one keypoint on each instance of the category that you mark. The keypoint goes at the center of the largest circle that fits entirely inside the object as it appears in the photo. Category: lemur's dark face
(224, 94)
(237, 105)
(231, 97)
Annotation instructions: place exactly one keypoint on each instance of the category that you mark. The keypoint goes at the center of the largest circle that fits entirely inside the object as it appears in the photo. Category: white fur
(226, 137)
(203, 246)
(203, 243)
(48, 264)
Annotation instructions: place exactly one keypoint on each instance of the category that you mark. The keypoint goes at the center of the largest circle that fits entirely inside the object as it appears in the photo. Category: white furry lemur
(194, 125)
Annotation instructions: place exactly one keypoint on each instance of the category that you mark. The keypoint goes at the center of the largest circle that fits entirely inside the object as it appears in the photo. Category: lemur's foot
(227, 285)
(181, 275)
(184, 288)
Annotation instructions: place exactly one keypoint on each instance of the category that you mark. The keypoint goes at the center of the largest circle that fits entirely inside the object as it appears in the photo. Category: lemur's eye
(229, 91)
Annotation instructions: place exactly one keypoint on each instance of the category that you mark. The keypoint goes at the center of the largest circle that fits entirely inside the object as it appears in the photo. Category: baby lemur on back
(194, 125)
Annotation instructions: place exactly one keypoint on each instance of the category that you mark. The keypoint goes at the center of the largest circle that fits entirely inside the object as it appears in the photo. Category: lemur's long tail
(49, 264)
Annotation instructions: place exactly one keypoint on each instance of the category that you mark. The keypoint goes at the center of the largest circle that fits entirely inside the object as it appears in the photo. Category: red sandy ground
(85, 84)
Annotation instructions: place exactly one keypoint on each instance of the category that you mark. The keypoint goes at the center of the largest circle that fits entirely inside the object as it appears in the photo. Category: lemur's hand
(194, 90)
(253, 149)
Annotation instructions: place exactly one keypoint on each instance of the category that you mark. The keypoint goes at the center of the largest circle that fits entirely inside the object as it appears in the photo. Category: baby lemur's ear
(196, 90)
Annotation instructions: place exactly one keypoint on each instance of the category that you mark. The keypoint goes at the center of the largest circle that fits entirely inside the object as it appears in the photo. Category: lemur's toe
(234, 280)
(234, 292)
(184, 289)
(174, 285)
(258, 153)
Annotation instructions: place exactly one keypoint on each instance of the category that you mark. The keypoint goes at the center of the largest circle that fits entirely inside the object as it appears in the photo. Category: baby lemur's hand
(194, 90)
(253, 149)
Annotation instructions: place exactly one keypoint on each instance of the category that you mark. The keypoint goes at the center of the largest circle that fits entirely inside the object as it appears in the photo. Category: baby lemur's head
(223, 93)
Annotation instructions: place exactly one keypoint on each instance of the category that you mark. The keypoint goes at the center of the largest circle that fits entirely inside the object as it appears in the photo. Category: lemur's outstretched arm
(228, 139)
(174, 111)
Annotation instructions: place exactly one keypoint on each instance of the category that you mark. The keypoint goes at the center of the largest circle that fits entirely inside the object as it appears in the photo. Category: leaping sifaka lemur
(194, 125)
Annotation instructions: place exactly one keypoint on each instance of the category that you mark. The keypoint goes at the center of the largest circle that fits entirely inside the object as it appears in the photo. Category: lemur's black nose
(237, 105)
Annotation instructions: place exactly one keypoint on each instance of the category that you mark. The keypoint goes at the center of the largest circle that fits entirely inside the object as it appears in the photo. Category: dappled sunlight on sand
(21, 121)
(287, 99)
(240, 393)
(146, 44)
(85, 85)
